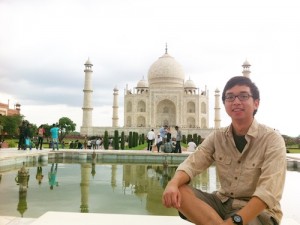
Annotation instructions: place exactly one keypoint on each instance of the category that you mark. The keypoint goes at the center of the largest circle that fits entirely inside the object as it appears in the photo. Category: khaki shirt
(258, 171)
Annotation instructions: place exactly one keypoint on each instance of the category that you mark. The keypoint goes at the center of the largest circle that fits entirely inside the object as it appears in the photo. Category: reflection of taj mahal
(165, 98)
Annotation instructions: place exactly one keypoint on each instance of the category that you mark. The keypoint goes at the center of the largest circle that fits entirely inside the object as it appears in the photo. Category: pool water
(109, 188)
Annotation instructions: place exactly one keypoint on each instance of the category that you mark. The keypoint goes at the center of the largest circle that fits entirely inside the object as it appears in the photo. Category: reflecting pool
(107, 188)
(94, 188)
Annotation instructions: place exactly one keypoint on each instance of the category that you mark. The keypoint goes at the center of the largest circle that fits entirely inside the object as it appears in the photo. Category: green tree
(199, 140)
(11, 125)
(142, 139)
(47, 128)
(122, 140)
(130, 140)
(195, 139)
(184, 139)
(105, 140)
(66, 126)
(116, 140)
(135, 139)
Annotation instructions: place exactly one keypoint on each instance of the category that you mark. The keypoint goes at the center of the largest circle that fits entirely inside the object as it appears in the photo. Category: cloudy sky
(45, 43)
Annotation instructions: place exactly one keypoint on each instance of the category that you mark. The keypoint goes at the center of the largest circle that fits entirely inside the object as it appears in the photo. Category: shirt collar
(253, 129)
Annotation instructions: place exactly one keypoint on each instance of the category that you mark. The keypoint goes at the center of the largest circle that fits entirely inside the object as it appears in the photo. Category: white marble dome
(142, 84)
(189, 84)
(166, 71)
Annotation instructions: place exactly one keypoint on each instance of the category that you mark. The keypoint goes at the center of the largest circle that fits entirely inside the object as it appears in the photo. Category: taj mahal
(166, 97)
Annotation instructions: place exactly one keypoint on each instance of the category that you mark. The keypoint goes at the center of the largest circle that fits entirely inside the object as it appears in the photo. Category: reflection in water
(39, 174)
(22, 180)
(84, 186)
(97, 188)
(52, 176)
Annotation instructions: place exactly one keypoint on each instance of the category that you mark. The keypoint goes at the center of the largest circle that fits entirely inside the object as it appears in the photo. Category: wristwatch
(237, 219)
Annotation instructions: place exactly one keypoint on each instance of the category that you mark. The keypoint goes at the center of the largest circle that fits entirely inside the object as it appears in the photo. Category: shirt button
(231, 193)
(239, 161)
(235, 178)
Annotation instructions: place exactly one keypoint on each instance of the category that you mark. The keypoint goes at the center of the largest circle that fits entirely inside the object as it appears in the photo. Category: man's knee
(186, 192)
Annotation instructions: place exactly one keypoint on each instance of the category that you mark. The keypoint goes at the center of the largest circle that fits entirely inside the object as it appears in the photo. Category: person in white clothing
(191, 146)
(150, 139)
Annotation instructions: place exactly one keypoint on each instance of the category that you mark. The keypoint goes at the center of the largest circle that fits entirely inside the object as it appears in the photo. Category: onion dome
(142, 84)
(166, 71)
(189, 84)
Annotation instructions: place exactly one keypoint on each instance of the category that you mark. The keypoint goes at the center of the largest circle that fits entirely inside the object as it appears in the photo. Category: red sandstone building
(6, 111)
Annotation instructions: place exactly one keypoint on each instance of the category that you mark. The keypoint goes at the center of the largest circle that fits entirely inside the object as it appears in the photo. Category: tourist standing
(54, 134)
(40, 133)
(178, 140)
(163, 133)
(251, 162)
(28, 136)
(150, 139)
(22, 127)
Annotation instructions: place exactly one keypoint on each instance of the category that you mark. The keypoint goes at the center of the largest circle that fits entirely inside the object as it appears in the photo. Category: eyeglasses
(242, 97)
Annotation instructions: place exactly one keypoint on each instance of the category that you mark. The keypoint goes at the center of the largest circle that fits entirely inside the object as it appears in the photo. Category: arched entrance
(165, 113)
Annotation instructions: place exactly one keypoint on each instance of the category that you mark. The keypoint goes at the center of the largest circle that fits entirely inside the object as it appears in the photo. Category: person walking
(251, 162)
(150, 139)
(178, 140)
(54, 134)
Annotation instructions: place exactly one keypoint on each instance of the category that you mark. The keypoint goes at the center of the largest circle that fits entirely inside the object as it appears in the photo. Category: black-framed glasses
(241, 97)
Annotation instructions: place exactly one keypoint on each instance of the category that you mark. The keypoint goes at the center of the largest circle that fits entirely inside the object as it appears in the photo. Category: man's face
(239, 103)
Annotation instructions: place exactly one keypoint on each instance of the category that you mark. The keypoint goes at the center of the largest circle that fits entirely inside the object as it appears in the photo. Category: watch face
(237, 219)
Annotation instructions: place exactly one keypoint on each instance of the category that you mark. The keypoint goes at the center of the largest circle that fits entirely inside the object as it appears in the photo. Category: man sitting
(168, 147)
(158, 142)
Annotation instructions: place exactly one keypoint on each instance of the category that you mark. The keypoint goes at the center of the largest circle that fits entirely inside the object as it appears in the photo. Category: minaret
(85, 187)
(87, 98)
(246, 69)
(115, 118)
(217, 109)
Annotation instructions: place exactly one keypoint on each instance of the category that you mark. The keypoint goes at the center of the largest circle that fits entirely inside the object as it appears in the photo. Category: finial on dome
(166, 48)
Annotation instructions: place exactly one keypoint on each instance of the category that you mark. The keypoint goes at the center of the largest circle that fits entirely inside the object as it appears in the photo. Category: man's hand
(171, 196)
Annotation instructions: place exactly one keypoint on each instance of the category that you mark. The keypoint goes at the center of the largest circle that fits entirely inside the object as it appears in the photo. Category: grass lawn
(293, 150)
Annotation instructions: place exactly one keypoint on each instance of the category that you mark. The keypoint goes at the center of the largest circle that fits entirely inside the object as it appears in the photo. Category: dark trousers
(40, 143)
(158, 145)
(149, 147)
(177, 147)
(21, 144)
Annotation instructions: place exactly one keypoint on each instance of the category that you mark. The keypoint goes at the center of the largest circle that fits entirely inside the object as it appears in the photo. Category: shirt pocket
(253, 165)
(223, 159)
(251, 174)
(223, 165)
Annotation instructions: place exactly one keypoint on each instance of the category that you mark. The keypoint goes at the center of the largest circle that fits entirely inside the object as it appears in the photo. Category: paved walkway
(51, 218)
